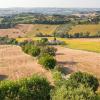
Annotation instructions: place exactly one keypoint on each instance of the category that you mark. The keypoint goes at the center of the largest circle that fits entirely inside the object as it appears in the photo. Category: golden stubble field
(28, 30)
(15, 64)
(91, 28)
(79, 60)
(33, 29)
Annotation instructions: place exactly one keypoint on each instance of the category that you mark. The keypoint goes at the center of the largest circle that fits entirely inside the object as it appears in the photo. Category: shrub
(34, 51)
(47, 61)
(49, 50)
(57, 77)
(34, 88)
(68, 93)
(86, 79)
(31, 49)
(42, 42)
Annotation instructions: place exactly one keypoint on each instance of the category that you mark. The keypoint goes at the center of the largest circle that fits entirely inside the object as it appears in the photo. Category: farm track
(79, 60)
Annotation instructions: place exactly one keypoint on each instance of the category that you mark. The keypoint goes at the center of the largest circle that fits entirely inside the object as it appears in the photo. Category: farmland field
(15, 64)
(91, 28)
(92, 44)
(79, 60)
(32, 29)
(28, 30)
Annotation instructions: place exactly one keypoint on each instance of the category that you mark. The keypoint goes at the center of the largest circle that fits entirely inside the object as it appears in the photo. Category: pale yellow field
(32, 29)
(92, 29)
(15, 64)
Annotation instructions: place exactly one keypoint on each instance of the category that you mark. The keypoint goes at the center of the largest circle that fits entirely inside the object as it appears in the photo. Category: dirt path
(78, 60)
(15, 64)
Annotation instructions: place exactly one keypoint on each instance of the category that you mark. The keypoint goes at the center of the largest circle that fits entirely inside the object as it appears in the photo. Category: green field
(93, 46)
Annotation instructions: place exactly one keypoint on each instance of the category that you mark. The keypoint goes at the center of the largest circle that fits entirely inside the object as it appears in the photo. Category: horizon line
(49, 7)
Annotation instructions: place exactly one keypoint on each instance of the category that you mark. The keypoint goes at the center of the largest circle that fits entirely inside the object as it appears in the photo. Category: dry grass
(28, 30)
(12, 33)
(92, 29)
(15, 64)
(32, 29)
(78, 60)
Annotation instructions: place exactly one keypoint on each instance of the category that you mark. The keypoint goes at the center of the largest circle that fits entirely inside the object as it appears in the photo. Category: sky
(50, 3)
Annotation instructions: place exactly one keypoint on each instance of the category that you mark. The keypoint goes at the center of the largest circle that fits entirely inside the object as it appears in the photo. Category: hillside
(91, 28)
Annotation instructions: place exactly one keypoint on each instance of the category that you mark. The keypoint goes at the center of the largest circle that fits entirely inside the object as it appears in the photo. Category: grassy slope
(40, 28)
(92, 29)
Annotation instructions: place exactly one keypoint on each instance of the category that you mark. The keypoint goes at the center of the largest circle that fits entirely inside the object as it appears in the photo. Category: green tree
(68, 93)
(33, 88)
(85, 79)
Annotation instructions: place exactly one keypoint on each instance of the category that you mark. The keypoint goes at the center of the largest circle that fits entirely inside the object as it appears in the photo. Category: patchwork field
(28, 30)
(92, 29)
(92, 44)
(32, 29)
(15, 64)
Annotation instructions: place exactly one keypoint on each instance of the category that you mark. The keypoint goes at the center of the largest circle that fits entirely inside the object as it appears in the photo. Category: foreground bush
(85, 79)
(47, 61)
(68, 93)
(34, 88)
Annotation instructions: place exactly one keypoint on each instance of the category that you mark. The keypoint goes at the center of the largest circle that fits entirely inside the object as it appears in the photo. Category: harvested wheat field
(15, 64)
(78, 60)
(11, 32)
(33, 29)
(92, 29)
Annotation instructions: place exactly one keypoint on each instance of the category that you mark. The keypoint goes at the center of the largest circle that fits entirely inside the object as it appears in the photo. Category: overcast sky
(50, 3)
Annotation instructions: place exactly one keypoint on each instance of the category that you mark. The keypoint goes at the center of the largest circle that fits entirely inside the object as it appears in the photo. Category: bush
(6, 40)
(86, 79)
(34, 88)
(47, 61)
(57, 77)
(31, 49)
(42, 42)
(68, 93)
(34, 51)
(49, 50)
